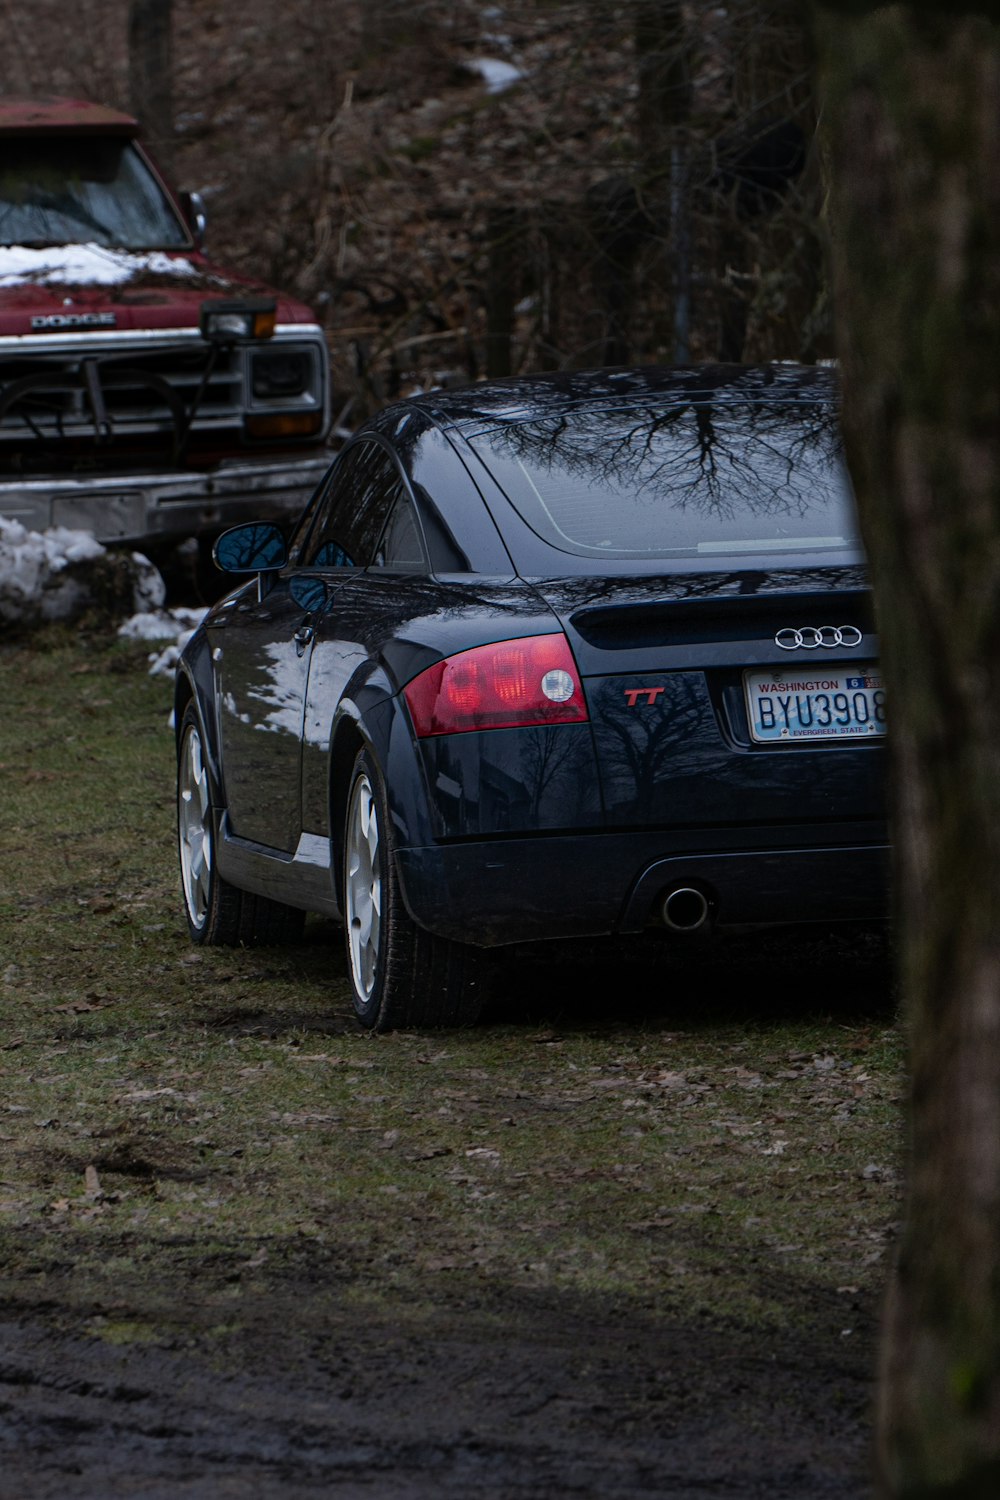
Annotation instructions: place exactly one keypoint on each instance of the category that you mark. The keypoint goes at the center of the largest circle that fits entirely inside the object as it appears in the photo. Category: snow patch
(40, 580)
(148, 588)
(84, 265)
(164, 663)
(176, 626)
(43, 574)
(495, 73)
(30, 565)
(160, 624)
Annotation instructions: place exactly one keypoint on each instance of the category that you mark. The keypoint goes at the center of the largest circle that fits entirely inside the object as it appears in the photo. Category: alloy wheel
(194, 827)
(363, 887)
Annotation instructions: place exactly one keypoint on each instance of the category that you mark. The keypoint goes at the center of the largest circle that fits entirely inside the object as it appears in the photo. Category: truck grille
(117, 391)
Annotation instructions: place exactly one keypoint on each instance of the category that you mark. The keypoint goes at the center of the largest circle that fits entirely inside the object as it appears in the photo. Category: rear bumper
(165, 506)
(592, 885)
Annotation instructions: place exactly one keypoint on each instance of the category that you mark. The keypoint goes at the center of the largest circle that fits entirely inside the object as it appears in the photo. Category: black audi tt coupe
(556, 657)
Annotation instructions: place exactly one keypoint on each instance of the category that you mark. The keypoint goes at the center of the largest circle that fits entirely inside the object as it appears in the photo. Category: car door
(263, 659)
(361, 617)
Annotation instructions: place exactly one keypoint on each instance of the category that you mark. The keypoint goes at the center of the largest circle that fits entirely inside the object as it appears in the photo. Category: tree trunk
(914, 152)
(150, 73)
(663, 56)
(505, 234)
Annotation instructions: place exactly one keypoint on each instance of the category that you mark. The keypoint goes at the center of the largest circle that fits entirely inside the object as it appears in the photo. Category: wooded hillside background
(643, 188)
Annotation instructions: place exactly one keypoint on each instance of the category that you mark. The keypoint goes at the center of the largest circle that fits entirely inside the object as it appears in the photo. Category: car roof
(556, 394)
(51, 115)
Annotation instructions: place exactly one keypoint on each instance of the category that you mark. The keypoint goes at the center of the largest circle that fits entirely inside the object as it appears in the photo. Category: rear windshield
(692, 479)
(59, 191)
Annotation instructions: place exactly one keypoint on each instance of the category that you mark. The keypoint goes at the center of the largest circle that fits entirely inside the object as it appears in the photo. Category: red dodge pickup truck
(146, 395)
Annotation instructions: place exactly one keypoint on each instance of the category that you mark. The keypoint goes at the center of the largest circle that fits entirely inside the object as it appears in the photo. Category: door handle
(302, 638)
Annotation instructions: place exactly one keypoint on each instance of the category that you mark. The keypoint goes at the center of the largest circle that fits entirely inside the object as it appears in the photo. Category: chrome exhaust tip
(685, 909)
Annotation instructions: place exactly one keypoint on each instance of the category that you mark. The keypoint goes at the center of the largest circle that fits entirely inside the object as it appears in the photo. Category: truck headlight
(228, 320)
(280, 373)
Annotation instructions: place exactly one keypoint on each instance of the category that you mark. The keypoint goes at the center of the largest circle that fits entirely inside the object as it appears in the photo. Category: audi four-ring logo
(812, 636)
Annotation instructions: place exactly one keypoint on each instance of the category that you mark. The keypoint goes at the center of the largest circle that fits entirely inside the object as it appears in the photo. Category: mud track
(489, 1391)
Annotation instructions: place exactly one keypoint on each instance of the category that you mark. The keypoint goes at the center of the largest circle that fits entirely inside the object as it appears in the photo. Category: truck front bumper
(168, 505)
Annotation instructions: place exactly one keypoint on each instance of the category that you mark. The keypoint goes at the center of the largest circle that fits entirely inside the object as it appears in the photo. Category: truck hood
(91, 286)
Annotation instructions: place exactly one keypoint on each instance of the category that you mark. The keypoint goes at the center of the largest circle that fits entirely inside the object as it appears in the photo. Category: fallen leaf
(665, 1081)
(139, 1096)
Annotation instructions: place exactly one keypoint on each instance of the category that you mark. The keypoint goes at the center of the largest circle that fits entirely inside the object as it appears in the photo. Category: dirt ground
(625, 1238)
(490, 1391)
(187, 1370)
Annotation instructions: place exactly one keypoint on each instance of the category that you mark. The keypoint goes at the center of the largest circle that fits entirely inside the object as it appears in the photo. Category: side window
(400, 548)
(306, 522)
(361, 492)
(332, 555)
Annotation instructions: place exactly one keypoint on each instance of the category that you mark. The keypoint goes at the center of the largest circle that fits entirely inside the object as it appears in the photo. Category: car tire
(218, 913)
(400, 975)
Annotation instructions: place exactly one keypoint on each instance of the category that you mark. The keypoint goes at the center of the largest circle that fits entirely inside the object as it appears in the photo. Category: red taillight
(508, 685)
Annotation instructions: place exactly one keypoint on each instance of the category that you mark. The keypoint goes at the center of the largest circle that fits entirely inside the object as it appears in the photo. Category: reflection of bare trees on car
(669, 716)
(739, 455)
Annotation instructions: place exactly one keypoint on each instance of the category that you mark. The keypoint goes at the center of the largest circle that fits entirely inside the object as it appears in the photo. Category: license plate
(832, 703)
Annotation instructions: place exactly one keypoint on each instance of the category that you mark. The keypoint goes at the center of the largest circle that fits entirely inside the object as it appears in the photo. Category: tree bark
(663, 56)
(913, 136)
(150, 73)
(505, 231)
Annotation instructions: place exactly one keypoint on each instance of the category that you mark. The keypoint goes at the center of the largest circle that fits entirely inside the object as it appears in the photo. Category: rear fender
(378, 722)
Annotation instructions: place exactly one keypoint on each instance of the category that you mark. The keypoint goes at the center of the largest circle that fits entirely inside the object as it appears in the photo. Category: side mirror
(310, 594)
(193, 209)
(257, 548)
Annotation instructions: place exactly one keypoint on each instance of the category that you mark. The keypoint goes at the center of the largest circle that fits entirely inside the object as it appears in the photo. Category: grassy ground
(712, 1138)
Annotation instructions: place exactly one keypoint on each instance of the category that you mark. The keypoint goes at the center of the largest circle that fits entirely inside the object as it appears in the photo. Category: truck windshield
(58, 191)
